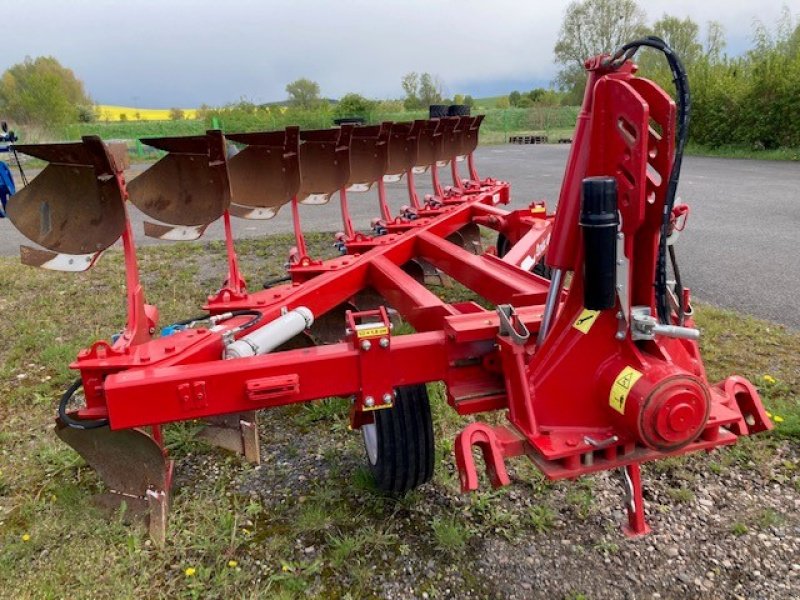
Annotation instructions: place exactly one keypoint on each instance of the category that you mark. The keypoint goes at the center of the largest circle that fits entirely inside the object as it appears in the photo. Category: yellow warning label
(372, 331)
(585, 320)
(622, 387)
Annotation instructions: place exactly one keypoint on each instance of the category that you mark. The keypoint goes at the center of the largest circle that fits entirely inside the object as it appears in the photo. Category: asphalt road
(740, 249)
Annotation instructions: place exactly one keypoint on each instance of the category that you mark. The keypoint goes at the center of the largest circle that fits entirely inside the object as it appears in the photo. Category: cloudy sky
(162, 53)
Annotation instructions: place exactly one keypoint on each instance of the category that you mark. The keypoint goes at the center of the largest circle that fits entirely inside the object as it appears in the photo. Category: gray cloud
(180, 52)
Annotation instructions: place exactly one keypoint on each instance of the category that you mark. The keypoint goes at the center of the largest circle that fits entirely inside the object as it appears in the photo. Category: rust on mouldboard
(74, 206)
(403, 146)
(430, 141)
(469, 136)
(189, 186)
(324, 163)
(451, 138)
(369, 151)
(266, 172)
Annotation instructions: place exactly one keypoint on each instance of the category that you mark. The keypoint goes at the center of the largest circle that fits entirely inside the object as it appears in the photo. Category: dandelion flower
(190, 572)
(778, 419)
(285, 568)
(769, 379)
(26, 537)
(232, 564)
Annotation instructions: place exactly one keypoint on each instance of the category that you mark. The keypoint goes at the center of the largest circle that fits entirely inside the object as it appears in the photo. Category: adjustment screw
(384, 342)
(369, 401)
(387, 398)
(366, 345)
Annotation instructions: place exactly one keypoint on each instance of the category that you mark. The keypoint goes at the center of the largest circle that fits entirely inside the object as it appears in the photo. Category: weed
(541, 517)
(450, 533)
(681, 495)
(739, 529)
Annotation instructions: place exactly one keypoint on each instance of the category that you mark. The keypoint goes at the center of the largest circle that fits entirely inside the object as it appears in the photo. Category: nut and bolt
(384, 342)
(387, 398)
(366, 345)
(369, 401)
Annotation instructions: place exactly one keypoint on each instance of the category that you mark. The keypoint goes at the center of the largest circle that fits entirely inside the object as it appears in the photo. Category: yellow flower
(769, 379)
(190, 572)
(778, 419)
(285, 568)
(232, 564)
(26, 537)
(245, 531)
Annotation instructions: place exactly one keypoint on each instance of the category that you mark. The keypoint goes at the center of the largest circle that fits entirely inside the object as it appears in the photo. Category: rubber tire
(458, 110)
(438, 111)
(405, 442)
(540, 269)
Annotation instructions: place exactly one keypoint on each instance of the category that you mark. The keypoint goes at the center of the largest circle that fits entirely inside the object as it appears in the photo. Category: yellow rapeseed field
(108, 112)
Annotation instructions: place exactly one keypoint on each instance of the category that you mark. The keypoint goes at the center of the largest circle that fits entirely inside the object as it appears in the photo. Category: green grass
(791, 154)
(54, 544)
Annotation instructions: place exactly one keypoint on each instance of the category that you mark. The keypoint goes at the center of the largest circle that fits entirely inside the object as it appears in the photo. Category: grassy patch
(743, 152)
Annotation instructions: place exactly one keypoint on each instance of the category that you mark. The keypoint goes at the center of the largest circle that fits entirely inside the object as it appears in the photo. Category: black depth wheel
(504, 245)
(399, 444)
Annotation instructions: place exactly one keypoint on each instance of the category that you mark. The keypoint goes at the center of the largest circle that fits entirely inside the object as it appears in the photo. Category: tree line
(751, 99)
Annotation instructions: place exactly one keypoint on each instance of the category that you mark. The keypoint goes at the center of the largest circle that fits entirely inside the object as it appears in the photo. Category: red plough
(603, 374)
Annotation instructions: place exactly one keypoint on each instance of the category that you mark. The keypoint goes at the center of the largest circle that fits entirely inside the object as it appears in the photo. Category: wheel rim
(370, 434)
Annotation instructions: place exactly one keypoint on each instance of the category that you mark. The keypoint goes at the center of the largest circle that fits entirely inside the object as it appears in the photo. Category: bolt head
(366, 345)
(387, 398)
(384, 342)
(369, 401)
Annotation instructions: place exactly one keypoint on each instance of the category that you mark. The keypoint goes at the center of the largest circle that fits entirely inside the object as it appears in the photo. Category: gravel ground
(725, 525)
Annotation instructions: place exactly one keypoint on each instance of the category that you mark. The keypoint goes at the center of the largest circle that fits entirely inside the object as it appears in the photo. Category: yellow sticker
(585, 320)
(622, 387)
(372, 331)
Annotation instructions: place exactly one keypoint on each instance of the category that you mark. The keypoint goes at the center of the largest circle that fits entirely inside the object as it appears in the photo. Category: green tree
(458, 99)
(303, 93)
(592, 27)
(536, 94)
(502, 102)
(176, 114)
(430, 89)
(683, 36)
(715, 42)
(43, 92)
(513, 98)
(354, 105)
(410, 83)
(469, 101)
(525, 102)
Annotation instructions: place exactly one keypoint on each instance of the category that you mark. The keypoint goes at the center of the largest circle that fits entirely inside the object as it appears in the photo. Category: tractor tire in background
(438, 111)
(458, 110)
(540, 269)
(399, 444)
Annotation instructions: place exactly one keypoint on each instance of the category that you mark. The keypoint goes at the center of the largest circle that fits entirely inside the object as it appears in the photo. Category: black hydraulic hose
(270, 282)
(684, 102)
(192, 320)
(76, 423)
(257, 316)
(678, 286)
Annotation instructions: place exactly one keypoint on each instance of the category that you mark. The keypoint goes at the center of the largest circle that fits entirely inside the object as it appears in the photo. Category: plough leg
(634, 501)
(236, 432)
(134, 467)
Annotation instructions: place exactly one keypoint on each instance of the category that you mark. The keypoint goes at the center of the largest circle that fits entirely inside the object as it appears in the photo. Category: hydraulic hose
(76, 423)
(684, 102)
